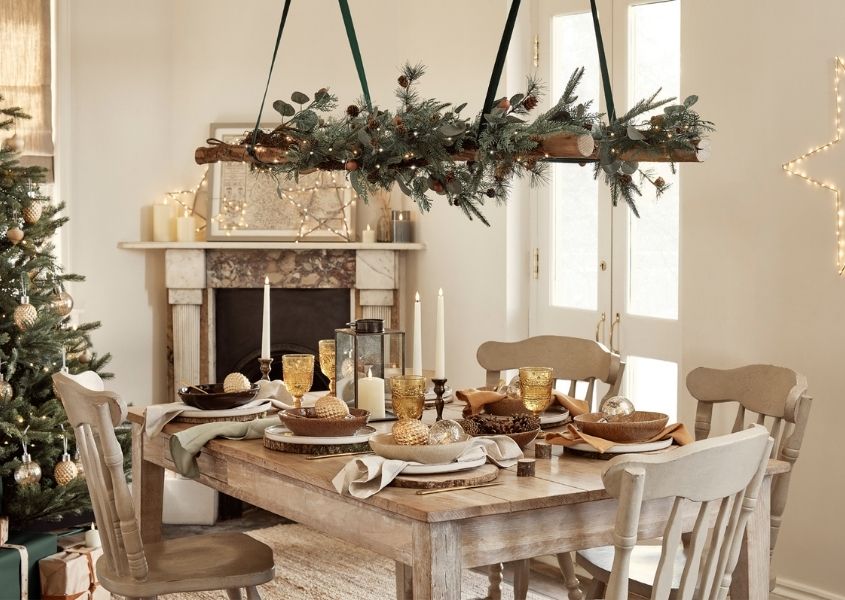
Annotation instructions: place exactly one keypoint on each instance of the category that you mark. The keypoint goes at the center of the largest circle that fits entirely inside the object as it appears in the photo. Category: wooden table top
(566, 479)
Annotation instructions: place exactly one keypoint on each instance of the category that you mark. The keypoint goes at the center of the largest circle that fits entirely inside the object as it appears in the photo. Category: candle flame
(368, 228)
(266, 280)
(440, 293)
(418, 297)
(369, 371)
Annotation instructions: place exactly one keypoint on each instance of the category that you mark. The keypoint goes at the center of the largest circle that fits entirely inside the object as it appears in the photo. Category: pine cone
(659, 183)
(403, 81)
(491, 193)
(353, 111)
(525, 422)
(470, 427)
(530, 102)
(657, 121)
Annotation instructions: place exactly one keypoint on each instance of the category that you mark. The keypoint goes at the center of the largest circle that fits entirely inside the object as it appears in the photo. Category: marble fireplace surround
(371, 273)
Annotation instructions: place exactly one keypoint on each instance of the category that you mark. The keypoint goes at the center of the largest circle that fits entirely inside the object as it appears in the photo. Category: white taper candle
(265, 329)
(417, 359)
(440, 340)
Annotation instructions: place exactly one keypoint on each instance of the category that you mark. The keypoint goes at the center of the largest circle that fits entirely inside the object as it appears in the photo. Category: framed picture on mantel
(254, 205)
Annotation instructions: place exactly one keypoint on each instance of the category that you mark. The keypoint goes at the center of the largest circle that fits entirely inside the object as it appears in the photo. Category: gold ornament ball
(62, 303)
(28, 472)
(32, 213)
(330, 407)
(15, 235)
(410, 432)
(25, 315)
(236, 382)
(65, 470)
(6, 391)
(85, 356)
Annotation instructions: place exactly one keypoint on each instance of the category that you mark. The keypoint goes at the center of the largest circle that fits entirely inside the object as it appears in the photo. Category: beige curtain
(25, 70)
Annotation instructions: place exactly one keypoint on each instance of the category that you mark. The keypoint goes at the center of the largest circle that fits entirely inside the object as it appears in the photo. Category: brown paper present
(70, 575)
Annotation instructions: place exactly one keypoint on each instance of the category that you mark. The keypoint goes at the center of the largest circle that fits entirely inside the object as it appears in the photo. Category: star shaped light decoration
(324, 205)
(796, 166)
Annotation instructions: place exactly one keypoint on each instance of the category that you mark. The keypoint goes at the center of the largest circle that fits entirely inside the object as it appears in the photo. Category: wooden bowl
(639, 426)
(506, 407)
(384, 445)
(215, 398)
(304, 421)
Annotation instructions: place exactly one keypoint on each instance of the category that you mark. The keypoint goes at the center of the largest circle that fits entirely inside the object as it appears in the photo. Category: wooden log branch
(563, 145)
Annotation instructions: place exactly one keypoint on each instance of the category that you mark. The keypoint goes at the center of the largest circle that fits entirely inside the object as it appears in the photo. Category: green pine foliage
(30, 356)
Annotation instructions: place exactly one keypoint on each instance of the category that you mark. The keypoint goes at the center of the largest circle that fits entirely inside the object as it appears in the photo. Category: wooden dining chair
(128, 567)
(771, 396)
(574, 360)
(723, 476)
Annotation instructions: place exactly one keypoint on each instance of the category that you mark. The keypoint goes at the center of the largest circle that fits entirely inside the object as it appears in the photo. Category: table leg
(147, 488)
(404, 581)
(437, 561)
(521, 576)
(751, 576)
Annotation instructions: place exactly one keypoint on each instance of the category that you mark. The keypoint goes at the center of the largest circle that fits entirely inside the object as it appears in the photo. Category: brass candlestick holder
(265, 368)
(439, 389)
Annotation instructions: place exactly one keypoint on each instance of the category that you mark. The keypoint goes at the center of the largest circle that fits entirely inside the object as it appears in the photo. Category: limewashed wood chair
(574, 360)
(128, 567)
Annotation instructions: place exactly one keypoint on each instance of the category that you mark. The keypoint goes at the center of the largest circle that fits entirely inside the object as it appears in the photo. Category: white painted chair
(128, 567)
(574, 360)
(723, 475)
(768, 395)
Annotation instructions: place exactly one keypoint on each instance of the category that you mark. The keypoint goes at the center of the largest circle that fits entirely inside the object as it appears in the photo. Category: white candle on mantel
(440, 340)
(371, 395)
(186, 227)
(265, 329)
(162, 226)
(368, 236)
(417, 359)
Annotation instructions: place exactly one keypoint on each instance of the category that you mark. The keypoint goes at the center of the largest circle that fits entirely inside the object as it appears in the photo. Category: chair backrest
(772, 396)
(573, 359)
(723, 474)
(94, 413)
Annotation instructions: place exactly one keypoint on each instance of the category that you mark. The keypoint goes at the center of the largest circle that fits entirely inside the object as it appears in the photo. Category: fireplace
(298, 319)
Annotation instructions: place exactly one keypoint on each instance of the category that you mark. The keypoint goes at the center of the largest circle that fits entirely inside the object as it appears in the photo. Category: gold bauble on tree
(25, 314)
(85, 356)
(330, 407)
(65, 470)
(28, 472)
(410, 432)
(15, 235)
(236, 382)
(32, 213)
(62, 303)
(6, 391)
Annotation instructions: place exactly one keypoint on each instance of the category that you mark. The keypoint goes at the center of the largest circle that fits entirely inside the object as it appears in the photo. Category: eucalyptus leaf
(355, 180)
(460, 107)
(690, 100)
(450, 130)
(299, 98)
(516, 99)
(283, 108)
(404, 187)
(364, 137)
(307, 120)
(634, 133)
(629, 167)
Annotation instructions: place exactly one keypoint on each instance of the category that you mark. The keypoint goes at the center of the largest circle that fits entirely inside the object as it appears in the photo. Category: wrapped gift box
(70, 575)
(37, 546)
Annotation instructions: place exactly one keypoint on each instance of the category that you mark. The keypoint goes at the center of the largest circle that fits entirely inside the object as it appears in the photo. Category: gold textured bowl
(304, 421)
(639, 426)
(506, 407)
(384, 445)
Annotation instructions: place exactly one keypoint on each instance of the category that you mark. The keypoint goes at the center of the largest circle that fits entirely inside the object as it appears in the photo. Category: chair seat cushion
(204, 562)
(644, 558)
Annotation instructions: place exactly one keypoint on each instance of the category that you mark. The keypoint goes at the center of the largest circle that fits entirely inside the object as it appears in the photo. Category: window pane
(654, 62)
(574, 227)
(652, 385)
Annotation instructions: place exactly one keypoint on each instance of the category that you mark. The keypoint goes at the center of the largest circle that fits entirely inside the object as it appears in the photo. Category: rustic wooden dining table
(431, 538)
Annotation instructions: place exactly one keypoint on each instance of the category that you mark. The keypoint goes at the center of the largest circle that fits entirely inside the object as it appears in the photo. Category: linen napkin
(362, 477)
(156, 416)
(476, 399)
(185, 445)
(571, 436)
(276, 392)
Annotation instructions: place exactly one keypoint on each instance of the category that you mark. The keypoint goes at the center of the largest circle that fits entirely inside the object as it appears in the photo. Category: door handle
(612, 327)
(600, 327)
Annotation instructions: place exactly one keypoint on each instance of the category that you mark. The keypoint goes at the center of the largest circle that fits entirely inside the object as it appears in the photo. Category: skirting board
(795, 590)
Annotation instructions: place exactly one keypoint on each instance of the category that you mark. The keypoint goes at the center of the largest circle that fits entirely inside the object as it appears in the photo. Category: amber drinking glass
(408, 396)
(298, 371)
(327, 362)
(536, 385)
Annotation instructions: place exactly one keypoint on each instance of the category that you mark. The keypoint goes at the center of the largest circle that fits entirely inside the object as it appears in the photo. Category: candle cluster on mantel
(169, 225)
(439, 338)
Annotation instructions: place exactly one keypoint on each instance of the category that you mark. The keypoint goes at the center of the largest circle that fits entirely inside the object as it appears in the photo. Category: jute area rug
(312, 566)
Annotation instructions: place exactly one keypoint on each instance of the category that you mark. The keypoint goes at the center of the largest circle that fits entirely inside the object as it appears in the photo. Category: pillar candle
(265, 325)
(371, 395)
(440, 340)
(368, 236)
(417, 359)
(186, 227)
(162, 226)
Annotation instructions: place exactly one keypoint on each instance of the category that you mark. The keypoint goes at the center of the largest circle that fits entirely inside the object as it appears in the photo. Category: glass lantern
(364, 350)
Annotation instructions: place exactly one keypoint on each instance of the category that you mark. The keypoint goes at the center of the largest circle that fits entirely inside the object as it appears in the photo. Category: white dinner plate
(625, 448)
(451, 467)
(280, 433)
(553, 418)
(229, 412)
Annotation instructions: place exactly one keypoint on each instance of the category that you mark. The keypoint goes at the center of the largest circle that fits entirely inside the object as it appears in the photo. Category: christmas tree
(36, 340)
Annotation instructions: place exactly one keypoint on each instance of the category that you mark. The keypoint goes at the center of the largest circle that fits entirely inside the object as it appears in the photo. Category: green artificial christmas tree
(36, 340)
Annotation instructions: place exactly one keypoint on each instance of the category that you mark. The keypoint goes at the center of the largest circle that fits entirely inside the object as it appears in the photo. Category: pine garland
(415, 146)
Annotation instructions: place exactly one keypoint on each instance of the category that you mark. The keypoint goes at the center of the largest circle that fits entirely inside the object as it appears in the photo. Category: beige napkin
(156, 416)
(362, 477)
(185, 445)
(476, 399)
(571, 436)
(276, 392)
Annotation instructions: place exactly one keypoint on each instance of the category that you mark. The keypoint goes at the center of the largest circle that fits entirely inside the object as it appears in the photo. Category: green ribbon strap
(356, 51)
(605, 73)
(499, 65)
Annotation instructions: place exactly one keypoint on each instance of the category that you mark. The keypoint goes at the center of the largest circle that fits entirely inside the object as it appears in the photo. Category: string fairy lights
(317, 214)
(797, 168)
(190, 209)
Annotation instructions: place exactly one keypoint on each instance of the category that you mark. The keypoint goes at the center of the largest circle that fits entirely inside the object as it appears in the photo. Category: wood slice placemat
(235, 418)
(481, 474)
(316, 449)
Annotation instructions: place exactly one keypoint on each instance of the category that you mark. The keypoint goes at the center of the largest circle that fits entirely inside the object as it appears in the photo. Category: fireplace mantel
(194, 270)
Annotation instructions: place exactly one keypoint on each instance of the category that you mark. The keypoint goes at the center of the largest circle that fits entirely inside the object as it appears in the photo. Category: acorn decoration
(32, 213)
(25, 314)
(236, 382)
(410, 432)
(65, 470)
(331, 407)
